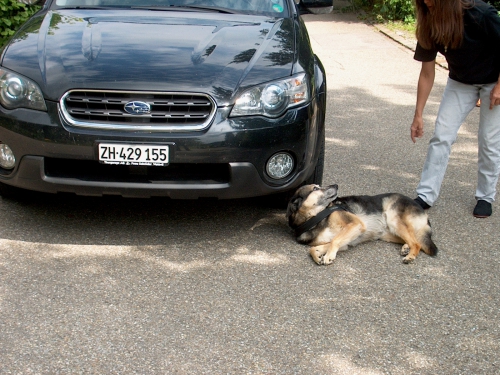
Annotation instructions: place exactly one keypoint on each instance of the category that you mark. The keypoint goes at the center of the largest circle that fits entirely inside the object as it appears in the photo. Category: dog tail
(428, 244)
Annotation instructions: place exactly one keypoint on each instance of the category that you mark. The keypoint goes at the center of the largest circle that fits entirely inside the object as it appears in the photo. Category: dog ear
(332, 192)
(293, 205)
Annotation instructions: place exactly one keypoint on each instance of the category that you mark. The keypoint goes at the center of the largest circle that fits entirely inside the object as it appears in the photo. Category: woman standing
(467, 33)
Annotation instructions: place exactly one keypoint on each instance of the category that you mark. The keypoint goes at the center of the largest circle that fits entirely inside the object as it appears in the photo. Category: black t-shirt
(477, 60)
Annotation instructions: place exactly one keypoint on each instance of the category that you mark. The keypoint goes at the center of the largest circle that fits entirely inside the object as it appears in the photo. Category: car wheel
(317, 176)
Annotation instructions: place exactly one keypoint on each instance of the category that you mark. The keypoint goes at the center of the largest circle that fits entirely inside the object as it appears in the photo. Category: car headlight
(272, 99)
(17, 91)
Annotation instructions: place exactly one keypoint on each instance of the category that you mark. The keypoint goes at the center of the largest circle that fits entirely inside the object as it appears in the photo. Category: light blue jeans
(458, 101)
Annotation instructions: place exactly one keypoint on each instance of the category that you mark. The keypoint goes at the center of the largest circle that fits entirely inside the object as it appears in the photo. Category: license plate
(130, 154)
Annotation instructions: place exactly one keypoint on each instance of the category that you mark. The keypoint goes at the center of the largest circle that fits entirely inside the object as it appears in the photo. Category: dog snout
(332, 187)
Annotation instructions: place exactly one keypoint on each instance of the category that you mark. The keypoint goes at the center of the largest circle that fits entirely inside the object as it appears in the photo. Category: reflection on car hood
(142, 50)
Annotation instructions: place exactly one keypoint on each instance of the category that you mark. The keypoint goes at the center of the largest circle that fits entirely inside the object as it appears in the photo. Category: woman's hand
(495, 96)
(417, 128)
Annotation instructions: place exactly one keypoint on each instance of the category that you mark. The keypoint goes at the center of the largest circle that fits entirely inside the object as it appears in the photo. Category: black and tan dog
(329, 223)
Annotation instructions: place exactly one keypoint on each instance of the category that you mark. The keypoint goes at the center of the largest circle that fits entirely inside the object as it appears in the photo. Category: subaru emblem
(137, 108)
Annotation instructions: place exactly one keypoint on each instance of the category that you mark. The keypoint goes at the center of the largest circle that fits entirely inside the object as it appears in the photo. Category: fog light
(280, 165)
(7, 158)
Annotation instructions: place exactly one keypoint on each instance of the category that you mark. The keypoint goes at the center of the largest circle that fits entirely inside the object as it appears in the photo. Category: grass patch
(401, 26)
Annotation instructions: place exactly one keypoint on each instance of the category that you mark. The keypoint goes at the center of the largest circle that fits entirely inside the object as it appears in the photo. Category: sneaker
(421, 203)
(482, 209)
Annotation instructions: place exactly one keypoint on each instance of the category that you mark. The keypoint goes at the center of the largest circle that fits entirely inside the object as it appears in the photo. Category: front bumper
(225, 161)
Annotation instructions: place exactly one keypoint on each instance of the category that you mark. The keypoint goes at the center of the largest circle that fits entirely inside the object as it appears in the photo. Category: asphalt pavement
(122, 286)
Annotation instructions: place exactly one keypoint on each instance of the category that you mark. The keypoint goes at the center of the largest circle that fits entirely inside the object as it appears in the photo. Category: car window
(268, 7)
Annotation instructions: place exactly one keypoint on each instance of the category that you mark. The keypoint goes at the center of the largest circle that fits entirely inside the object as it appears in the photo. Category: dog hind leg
(389, 237)
(412, 246)
(426, 244)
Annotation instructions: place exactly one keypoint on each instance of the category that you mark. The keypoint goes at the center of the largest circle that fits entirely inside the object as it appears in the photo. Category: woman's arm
(492, 27)
(425, 83)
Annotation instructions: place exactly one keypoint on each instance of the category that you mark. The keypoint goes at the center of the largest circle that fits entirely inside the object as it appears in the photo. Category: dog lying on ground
(329, 223)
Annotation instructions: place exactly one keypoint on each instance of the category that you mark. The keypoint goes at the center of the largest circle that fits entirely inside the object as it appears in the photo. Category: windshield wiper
(189, 8)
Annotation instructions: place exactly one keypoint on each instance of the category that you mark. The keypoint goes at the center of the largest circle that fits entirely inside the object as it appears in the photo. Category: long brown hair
(443, 25)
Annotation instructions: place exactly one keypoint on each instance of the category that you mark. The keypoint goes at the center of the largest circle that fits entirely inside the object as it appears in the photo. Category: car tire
(317, 176)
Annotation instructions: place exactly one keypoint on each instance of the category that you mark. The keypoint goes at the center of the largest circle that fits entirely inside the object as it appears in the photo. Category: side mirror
(316, 6)
(29, 2)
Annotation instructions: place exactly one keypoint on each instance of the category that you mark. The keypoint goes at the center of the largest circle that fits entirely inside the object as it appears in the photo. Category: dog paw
(408, 259)
(326, 260)
(318, 260)
(317, 253)
(405, 250)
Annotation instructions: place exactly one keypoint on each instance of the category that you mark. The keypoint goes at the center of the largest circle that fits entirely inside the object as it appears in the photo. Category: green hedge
(12, 15)
(399, 10)
(495, 3)
(396, 10)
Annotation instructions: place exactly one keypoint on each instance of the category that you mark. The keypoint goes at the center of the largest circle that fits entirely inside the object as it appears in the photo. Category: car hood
(142, 50)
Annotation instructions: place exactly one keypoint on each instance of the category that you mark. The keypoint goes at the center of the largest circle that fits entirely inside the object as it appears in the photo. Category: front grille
(87, 170)
(106, 110)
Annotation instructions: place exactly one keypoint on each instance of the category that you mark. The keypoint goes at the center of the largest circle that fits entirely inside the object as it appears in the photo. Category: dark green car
(177, 98)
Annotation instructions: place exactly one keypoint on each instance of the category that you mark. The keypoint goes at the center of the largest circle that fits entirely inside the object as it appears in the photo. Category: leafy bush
(495, 3)
(12, 15)
(390, 10)
(399, 10)
(396, 10)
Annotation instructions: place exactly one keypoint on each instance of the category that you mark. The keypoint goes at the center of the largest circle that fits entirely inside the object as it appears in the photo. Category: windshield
(264, 7)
